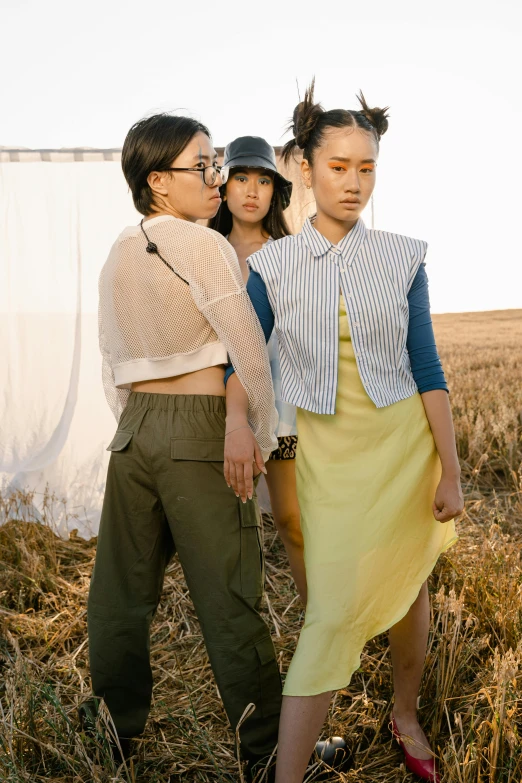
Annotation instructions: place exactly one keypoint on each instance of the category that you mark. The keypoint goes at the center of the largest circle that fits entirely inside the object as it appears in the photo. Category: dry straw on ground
(470, 702)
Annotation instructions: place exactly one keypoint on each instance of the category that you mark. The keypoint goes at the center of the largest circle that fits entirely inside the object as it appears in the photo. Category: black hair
(274, 222)
(151, 145)
(310, 121)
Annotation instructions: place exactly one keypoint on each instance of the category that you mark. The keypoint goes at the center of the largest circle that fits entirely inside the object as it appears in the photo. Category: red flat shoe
(424, 768)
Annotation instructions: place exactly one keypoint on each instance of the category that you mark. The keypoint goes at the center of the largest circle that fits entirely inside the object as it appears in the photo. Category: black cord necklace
(153, 248)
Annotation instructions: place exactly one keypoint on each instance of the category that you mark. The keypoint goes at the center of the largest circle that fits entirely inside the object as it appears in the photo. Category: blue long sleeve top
(425, 363)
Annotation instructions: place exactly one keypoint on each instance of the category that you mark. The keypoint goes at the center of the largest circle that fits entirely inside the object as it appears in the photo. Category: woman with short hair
(173, 308)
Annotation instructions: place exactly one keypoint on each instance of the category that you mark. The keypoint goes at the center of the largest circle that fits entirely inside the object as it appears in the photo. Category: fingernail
(244, 501)
(237, 494)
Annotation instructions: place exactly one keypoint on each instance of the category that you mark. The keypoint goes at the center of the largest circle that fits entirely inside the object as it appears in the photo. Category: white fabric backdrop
(57, 223)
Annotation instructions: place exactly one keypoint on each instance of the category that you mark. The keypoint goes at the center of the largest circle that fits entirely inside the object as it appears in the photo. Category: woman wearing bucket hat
(252, 213)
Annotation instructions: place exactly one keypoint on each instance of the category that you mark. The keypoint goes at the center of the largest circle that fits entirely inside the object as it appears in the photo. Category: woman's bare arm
(240, 443)
(449, 501)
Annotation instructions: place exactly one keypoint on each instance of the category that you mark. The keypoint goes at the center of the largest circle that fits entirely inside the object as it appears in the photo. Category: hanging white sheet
(57, 223)
(60, 212)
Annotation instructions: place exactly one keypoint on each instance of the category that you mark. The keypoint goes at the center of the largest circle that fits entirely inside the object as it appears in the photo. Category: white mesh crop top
(154, 325)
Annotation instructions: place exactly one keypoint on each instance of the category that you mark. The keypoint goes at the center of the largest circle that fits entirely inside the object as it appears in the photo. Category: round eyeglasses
(208, 173)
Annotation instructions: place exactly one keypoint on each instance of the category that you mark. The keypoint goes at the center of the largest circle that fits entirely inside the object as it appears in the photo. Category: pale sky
(450, 171)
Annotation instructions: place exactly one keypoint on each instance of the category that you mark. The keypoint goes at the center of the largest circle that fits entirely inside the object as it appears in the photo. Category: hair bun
(304, 120)
(297, 125)
(377, 117)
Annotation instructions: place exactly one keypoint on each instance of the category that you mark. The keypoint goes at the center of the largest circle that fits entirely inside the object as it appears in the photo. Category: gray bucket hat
(253, 152)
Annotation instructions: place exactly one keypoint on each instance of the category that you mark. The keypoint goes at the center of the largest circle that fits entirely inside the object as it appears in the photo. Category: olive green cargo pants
(166, 492)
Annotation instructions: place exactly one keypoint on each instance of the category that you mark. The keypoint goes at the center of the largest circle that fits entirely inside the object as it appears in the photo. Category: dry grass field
(471, 696)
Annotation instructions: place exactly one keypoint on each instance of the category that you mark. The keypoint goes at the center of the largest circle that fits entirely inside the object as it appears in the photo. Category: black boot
(87, 715)
(333, 753)
(255, 768)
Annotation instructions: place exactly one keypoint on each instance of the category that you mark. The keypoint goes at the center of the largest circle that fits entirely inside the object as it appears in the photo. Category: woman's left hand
(449, 501)
(243, 461)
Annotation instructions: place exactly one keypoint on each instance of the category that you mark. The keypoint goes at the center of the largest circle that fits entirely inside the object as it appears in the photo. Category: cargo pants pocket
(269, 679)
(128, 426)
(120, 441)
(252, 561)
(198, 449)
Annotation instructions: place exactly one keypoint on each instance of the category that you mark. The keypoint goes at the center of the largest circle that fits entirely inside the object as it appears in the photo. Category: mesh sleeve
(117, 398)
(220, 294)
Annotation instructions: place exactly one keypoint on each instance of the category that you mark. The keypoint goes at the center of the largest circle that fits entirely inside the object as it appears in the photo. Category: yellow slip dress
(366, 480)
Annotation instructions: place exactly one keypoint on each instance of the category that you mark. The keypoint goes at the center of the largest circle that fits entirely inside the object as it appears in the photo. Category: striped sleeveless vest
(304, 275)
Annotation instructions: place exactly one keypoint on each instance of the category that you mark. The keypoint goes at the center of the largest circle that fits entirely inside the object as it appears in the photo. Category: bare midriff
(208, 381)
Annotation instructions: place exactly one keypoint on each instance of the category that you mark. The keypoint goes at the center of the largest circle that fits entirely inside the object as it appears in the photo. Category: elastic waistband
(196, 403)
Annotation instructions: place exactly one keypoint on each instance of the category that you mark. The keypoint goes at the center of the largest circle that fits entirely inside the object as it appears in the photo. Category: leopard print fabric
(286, 449)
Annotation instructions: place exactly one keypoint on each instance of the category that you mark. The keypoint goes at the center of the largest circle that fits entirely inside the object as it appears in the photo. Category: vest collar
(319, 245)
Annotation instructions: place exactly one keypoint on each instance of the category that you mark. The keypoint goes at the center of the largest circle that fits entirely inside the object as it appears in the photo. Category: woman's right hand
(243, 461)
(449, 501)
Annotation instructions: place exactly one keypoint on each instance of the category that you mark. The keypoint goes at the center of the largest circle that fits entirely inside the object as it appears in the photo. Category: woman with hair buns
(378, 478)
